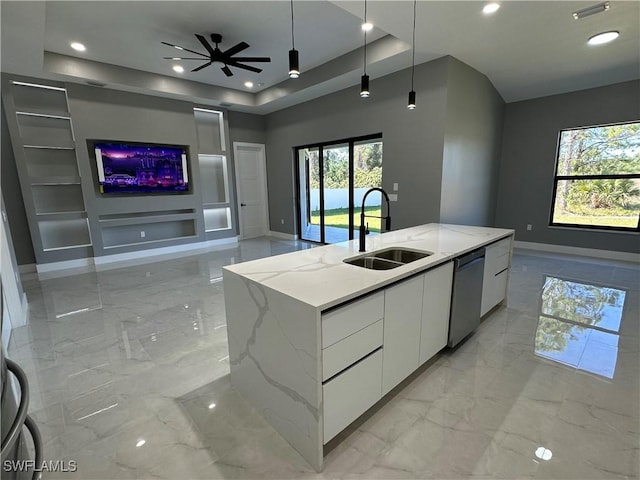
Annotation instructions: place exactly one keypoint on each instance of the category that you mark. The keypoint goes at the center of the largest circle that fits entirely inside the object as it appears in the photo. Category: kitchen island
(314, 342)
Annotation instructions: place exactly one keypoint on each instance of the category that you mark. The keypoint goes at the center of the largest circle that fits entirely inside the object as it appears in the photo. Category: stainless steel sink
(387, 259)
(401, 255)
(373, 263)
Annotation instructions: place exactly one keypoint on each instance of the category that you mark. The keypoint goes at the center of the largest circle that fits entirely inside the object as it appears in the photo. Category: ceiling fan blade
(236, 49)
(205, 44)
(185, 49)
(183, 58)
(251, 59)
(227, 71)
(245, 67)
(197, 69)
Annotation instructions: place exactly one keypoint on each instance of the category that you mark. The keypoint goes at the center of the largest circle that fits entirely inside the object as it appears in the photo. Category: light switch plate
(395, 187)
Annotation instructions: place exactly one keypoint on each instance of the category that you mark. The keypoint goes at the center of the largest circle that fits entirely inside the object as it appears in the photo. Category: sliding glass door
(332, 180)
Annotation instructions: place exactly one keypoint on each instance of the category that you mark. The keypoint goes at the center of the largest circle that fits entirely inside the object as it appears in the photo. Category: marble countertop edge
(320, 278)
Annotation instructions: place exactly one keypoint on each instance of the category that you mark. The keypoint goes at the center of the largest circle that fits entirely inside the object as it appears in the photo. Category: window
(597, 178)
(333, 178)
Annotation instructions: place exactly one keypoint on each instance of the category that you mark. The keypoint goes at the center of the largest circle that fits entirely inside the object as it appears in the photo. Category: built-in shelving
(216, 219)
(44, 146)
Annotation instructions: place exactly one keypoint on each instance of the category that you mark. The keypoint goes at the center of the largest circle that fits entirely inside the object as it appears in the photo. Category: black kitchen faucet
(364, 230)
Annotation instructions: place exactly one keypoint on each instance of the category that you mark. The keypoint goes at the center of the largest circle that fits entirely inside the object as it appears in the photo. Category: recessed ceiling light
(141, 442)
(604, 37)
(178, 69)
(367, 26)
(248, 84)
(490, 8)
(78, 47)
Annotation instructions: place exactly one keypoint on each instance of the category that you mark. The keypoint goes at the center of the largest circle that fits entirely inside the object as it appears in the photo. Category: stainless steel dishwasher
(466, 296)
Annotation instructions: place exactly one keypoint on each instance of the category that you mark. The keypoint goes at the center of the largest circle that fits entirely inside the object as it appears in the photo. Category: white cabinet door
(350, 394)
(402, 318)
(436, 306)
(496, 265)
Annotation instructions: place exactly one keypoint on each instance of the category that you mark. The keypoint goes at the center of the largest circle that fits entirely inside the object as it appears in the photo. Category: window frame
(557, 178)
(351, 142)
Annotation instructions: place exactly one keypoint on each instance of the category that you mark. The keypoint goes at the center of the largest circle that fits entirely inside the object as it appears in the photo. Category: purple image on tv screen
(128, 168)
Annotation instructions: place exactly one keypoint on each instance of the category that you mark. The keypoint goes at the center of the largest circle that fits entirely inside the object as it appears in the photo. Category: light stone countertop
(320, 278)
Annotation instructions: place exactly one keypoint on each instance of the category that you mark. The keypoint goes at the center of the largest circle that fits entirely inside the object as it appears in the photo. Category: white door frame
(263, 160)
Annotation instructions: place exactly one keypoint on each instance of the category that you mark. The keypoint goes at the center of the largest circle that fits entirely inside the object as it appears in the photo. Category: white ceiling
(527, 49)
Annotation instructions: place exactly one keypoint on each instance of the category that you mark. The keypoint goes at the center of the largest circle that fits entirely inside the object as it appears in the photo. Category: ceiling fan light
(412, 100)
(294, 64)
(364, 86)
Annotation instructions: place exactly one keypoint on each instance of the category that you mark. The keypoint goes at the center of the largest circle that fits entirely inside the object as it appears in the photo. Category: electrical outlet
(282, 221)
(142, 234)
(529, 227)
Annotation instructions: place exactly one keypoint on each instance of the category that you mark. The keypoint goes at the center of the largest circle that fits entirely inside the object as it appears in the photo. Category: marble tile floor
(129, 378)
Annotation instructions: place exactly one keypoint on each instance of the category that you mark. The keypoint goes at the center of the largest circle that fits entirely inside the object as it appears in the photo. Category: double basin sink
(387, 258)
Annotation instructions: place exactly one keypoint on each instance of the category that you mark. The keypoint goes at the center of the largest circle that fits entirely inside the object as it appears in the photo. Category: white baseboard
(117, 260)
(586, 252)
(283, 236)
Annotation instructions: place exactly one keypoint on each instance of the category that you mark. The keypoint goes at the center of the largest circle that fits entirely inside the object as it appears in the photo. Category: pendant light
(412, 94)
(364, 80)
(294, 61)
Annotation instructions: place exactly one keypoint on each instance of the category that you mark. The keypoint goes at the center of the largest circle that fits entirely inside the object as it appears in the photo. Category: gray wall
(246, 127)
(473, 132)
(413, 141)
(14, 205)
(528, 161)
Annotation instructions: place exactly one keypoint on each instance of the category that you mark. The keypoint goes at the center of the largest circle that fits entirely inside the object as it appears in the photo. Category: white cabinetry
(436, 306)
(351, 373)
(496, 274)
(402, 318)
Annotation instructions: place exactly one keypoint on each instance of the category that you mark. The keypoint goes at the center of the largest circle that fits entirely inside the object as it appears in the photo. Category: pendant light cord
(293, 42)
(413, 53)
(365, 38)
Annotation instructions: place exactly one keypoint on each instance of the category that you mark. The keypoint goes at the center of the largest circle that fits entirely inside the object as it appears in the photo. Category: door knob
(243, 204)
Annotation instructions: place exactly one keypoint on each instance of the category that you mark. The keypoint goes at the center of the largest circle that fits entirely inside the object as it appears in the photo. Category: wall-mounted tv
(140, 168)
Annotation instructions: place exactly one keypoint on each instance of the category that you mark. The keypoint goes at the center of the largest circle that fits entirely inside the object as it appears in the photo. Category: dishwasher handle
(469, 264)
(469, 259)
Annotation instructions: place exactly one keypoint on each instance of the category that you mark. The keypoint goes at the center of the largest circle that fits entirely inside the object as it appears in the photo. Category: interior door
(251, 183)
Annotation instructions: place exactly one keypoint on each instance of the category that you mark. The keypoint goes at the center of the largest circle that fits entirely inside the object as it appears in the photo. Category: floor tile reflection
(129, 377)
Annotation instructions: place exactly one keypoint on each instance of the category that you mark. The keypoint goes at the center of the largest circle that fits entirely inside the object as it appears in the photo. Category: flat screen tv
(141, 168)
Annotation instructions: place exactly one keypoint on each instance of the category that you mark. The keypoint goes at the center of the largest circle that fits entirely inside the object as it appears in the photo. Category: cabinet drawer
(501, 263)
(343, 353)
(497, 256)
(500, 286)
(351, 393)
(347, 320)
(494, 291)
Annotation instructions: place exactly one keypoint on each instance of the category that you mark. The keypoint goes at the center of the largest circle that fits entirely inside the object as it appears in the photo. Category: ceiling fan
(214, 54)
